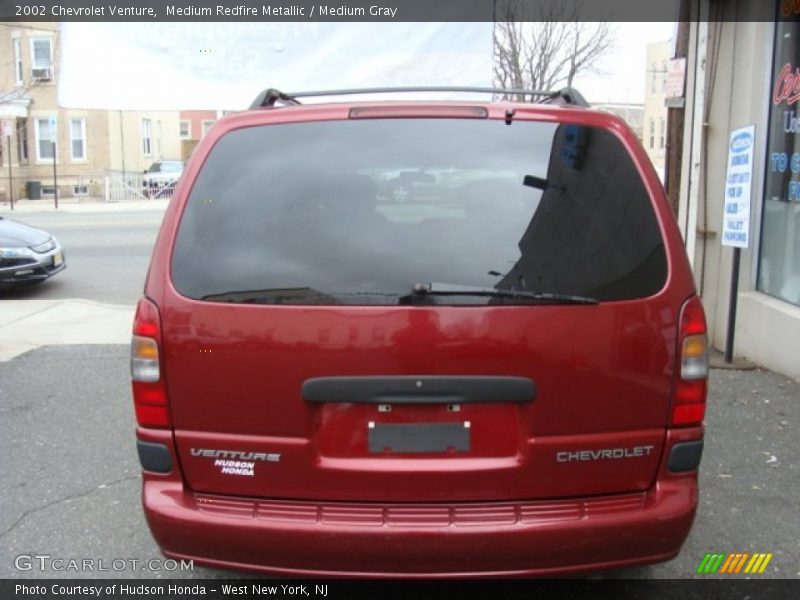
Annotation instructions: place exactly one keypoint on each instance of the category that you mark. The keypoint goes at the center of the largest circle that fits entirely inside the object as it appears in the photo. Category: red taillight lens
(691, 377)
(149, 391)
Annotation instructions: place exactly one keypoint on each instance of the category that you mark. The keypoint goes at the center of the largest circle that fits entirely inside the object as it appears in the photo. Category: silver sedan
(27, 254)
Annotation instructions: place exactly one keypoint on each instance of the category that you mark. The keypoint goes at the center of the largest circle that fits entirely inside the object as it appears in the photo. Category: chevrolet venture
(504, 374)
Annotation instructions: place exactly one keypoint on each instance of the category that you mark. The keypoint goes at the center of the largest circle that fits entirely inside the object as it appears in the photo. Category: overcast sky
(224, 65)
(624, 65)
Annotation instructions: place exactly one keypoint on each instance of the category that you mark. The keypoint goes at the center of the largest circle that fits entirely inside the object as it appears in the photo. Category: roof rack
(272, 97)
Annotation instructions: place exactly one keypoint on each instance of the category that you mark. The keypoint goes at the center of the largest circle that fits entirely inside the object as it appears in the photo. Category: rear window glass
(361, 211)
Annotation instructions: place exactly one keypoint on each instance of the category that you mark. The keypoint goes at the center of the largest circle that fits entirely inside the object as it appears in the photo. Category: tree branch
(547, 49)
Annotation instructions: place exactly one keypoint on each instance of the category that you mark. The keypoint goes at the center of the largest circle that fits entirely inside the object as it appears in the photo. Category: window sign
(675, 81)
(779, 245)
(738, 184)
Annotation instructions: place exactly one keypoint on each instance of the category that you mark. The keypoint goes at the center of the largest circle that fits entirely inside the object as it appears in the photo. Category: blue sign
(736, 213)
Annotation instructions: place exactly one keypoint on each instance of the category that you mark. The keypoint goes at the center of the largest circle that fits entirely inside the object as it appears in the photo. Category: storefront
(744, 73)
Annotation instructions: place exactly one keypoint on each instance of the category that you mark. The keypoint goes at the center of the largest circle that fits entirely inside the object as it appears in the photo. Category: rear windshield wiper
(447, 289)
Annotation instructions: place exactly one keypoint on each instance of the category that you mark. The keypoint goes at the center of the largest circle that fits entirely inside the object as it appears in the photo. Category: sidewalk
(80, 205)
(28, 324)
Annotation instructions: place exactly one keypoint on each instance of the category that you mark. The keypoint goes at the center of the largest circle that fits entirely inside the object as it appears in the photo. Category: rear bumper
(421, 540)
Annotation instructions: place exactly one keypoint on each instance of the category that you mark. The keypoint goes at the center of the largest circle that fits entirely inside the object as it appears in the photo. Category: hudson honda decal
(236, 462)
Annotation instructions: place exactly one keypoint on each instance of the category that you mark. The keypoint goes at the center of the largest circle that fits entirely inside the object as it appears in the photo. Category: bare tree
(544, 45)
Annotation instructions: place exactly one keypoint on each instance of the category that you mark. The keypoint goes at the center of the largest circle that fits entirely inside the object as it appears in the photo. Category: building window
(80, 190)
(662, 139)
(77, 136)
(207, 126)
(45, 136)
(663, 77)
(18, 73)
(652, 139)
(186, 130)
(779, 247)
(41, 58)
(22, 140)
(147, 137)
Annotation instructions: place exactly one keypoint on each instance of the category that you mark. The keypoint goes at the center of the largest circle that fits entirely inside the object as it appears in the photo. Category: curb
(29, 324)
(36, 206)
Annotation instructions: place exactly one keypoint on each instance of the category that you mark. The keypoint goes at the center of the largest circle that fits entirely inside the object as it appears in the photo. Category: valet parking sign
(738, 185)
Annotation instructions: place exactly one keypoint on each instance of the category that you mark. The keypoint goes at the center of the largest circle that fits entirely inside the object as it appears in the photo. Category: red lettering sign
(787, 85)
(789, 8)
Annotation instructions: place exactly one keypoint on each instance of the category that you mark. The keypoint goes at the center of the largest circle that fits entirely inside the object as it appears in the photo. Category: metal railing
(123, 186)
(100, 186)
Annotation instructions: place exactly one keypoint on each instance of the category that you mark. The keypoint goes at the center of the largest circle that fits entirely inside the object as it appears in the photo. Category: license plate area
(412, 438)
(343, 431)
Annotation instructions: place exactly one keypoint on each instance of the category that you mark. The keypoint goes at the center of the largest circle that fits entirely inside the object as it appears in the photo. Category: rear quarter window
(358, 212)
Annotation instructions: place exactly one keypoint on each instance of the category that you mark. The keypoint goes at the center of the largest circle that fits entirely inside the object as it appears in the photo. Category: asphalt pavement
(71, 476)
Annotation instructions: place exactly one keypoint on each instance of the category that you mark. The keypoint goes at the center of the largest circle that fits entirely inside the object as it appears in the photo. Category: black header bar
(351, 589)
(381, 10)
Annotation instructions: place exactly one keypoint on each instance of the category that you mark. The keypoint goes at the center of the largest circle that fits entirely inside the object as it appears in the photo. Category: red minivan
(419, 339)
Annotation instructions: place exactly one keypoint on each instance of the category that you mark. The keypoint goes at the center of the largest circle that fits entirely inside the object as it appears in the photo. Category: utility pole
(122, 144)
(53, 137)
(6, 131)
(675, 120)
(10, 177)
(55, 176)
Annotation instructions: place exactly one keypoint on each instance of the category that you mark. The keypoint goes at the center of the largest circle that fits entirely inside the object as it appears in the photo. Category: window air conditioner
(43, 74)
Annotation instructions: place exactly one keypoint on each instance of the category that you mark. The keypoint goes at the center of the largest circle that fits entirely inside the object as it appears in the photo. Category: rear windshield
(361, 211)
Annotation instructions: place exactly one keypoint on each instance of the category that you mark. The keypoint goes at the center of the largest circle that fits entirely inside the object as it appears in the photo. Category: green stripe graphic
(711, 563)
(703, 563)
(752, 563)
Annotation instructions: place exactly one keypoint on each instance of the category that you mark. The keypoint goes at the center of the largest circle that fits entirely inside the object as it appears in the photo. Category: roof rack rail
(272, 97)
(568, 95)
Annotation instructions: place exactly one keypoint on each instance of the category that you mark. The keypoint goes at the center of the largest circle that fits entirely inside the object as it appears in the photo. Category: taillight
(691, 386)
(149, 391)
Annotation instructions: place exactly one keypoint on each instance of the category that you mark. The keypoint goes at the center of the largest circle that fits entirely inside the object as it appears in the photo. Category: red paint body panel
(614, 388)
(604, 376)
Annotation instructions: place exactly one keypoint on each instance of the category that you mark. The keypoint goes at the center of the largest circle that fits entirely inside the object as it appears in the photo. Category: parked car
(512, 383)
(405, 186)
(27, 255)
(162, 176)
